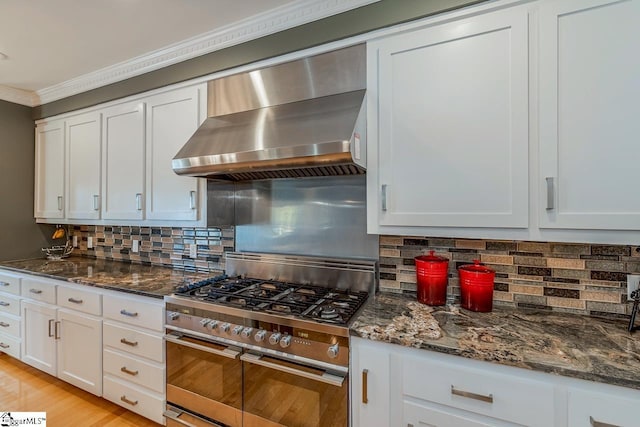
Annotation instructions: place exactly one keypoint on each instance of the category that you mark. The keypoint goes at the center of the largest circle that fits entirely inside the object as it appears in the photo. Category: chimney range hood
(296, 119)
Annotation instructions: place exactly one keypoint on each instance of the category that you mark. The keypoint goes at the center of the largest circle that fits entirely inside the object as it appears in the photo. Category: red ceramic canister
(476, 286)
(432, 278)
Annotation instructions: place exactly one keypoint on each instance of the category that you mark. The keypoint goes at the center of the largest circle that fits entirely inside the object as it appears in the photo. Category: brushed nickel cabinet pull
(128, 313)
(4, 304)
(550, 193)
(50, 323)
(96, 202)
(409, 425)
(3, 345)
(595, 423)
(57, 330)
(35, 291)
(130, 402)
(127, 371)
(4, 284)
(192, 199)
(384, 197)
(4, 325)
(59, 203)
(365, 387)
(139, 201)
(129, 343)
(470, 395)
(75, 301)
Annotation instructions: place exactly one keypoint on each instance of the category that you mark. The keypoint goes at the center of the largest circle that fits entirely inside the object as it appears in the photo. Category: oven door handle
(256, 359)
(227, 352)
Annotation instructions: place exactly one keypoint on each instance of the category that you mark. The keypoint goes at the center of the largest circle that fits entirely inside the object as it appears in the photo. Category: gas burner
(341, 304)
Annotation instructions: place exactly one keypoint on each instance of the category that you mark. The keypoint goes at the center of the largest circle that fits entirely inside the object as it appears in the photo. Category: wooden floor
(23, 388)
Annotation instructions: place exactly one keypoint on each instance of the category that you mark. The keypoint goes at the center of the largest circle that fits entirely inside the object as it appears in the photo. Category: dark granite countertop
(147, 280)
(584, 347)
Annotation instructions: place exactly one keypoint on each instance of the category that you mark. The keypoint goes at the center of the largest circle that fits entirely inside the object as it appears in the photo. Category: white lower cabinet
(393, 385)
(10, 321)
(38, 329)
(134, 368)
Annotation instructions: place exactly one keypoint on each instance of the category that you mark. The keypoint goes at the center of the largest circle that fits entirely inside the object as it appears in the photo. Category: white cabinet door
(369, 383)
(449, 124)
(49, 173)
(589, 127)
(38, 336)
(83, 166)
(172, 118)
(603, 409)
(80, 350)
(123, 161)
(416, 415)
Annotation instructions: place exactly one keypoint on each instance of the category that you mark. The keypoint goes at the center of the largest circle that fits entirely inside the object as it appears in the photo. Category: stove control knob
(213, 324)
(332, 352)
(285, 341)
(260, 335)
(225, 327)
(237, 330)
(274, 338)
(204, 322)
(173, 315)
(246, 332)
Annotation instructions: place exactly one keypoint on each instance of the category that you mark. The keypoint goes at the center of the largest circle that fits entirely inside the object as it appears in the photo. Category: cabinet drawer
(133, 341)
(39, 290)
(80, 300)
(10, 345)
(9, 304)
(10, 325)
(479, 390)
(9, 283)
(134, 398)
(134, 370)
(608, 408)
(134, 312)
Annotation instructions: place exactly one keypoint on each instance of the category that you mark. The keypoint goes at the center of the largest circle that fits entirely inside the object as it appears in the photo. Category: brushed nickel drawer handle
(595, 423)
(129, 343)
(3, 345)
(35, 291)
(4, 284)
(4, 325)
(130, 402)
(75, 301)
(470, 395)
(51, 323)
(128, 313)
(365, 379)
(57, 330)
(127, 371)
(4, 304)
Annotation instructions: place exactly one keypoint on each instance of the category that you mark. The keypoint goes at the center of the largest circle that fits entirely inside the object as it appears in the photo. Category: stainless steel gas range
(267, 344)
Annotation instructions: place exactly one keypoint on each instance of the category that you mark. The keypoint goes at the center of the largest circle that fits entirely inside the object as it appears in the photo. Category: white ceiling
(55, 48)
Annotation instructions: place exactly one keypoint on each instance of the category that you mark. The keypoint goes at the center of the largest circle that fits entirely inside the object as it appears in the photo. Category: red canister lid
(431, 258)
(476, 267)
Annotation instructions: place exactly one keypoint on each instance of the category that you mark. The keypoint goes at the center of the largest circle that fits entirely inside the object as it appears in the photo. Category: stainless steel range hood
(297, 119)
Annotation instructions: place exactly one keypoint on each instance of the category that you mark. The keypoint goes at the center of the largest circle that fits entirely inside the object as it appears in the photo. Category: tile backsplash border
(586, 279)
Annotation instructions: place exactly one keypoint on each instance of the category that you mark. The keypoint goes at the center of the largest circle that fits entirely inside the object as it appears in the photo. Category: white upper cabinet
(83, 166)
(448, 125)
(123, 162)
(172, 118)
(49, 174)
(589, 85)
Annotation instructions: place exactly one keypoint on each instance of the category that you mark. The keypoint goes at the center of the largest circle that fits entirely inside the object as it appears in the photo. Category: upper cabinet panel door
(171, 120)
(589, 83)
(49, 174)
(452, 124)
(83, 166)
(123, 162)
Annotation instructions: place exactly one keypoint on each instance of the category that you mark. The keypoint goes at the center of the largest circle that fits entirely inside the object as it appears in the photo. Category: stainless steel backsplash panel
(310, 216)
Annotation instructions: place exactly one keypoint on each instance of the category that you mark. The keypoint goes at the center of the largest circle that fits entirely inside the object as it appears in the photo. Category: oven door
(282, 393)
(204, 378)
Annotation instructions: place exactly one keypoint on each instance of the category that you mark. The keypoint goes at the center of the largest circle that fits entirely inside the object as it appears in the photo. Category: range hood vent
(304, 118)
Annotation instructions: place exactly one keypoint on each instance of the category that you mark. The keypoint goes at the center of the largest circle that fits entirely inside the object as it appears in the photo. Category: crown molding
(279, 19)
(18, 96)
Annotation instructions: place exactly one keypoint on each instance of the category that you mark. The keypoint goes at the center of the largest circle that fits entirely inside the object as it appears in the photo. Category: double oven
(267, 345)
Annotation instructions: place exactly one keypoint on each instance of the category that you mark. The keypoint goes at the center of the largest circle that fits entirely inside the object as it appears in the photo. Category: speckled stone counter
(577, 346)
(148, 280)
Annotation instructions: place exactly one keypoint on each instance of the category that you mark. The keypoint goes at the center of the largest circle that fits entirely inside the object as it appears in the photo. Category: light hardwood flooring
(23, 388)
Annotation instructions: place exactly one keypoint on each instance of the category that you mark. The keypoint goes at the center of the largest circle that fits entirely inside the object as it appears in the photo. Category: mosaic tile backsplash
(163, 246)
(578, 278)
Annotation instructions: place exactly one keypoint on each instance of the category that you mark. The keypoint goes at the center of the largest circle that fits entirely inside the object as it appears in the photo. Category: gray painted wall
(20, 236)
(382, 14)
